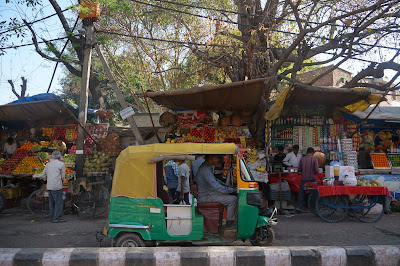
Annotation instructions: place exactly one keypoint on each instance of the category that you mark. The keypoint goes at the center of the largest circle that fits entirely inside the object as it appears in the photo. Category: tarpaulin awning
(38, 107)
(351, 99)
(236, 96)
(387, 113)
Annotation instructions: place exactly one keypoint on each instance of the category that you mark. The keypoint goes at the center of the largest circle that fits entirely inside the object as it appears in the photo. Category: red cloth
(355, 190)
(293, 179)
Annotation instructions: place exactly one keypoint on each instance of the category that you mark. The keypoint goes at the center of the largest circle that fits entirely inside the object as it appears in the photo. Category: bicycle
(93, 202)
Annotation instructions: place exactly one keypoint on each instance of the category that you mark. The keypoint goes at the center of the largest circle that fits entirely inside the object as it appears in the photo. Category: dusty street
(20, 229)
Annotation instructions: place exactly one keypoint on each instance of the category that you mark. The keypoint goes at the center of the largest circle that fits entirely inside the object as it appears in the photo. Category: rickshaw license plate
(46, 194)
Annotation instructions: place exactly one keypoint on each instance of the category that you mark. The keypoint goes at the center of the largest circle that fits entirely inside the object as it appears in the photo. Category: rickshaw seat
(211, 211)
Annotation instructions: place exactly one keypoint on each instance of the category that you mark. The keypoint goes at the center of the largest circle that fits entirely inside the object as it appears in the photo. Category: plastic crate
(285, 195)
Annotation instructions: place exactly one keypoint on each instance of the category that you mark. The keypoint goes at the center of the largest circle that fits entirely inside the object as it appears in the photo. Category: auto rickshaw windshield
(245, 172)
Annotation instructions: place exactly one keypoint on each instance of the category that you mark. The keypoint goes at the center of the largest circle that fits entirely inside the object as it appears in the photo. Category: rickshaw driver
(210, 190)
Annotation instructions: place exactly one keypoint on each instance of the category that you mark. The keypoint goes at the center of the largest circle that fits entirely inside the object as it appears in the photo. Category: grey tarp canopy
(34, 111)
(236, 96)
(326, 96)
(387, 113)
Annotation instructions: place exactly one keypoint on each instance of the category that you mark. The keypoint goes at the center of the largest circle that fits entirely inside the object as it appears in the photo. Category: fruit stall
(216, 114)
(34, 123)
(323, 120)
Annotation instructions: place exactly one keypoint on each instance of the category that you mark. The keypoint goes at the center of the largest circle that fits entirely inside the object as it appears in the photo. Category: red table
(325, 191)
(293, 179)
(332, 203)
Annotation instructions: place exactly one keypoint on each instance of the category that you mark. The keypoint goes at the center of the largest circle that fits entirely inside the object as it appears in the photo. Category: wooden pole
(83, 103)
(120, 97)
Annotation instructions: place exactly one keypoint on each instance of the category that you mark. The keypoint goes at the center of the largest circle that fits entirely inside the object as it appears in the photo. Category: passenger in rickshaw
(171, 179)
(210, 190)
(182, 192)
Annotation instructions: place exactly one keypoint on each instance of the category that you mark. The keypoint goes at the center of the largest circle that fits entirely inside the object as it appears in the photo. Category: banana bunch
(252, 156)
(260, 168)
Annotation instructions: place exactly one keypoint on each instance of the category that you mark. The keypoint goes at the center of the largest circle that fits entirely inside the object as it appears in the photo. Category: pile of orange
(68, 171)
(28, 165)
(28, 145)
(47, 131)
(380, 160)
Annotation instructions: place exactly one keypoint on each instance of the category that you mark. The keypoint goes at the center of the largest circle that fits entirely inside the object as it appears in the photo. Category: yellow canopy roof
(134, 175)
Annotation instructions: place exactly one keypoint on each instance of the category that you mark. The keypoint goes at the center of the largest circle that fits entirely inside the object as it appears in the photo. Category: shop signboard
(392, 182)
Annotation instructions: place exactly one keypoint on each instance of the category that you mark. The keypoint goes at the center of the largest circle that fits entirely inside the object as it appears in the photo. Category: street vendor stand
(36, 121)
(217, 114)
(332, 203)
(312, 117)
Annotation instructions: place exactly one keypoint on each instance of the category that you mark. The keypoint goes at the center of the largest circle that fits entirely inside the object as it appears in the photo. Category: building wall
(335, 78)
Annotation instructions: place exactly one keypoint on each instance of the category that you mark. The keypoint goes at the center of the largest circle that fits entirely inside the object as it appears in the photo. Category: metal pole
(83, 103)
(118, 92)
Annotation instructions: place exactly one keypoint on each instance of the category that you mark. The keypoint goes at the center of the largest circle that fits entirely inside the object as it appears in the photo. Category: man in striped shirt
(308, 167)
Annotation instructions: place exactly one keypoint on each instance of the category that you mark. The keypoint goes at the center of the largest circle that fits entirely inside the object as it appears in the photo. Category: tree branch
(13, 89)
(40, 52)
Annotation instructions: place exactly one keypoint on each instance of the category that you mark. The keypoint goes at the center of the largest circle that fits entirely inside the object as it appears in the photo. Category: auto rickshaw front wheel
(130, 240)
(263, 236)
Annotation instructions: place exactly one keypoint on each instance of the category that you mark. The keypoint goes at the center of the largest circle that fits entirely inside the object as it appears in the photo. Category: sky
(24, 61)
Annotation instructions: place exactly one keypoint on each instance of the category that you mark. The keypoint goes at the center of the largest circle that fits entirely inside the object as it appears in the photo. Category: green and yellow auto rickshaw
(140, 213)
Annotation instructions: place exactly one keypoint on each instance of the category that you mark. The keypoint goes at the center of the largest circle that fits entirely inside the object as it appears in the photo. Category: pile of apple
(9, 166)
(59, 132)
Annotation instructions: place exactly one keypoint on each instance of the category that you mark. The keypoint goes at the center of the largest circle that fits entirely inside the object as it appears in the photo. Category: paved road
(19, 229)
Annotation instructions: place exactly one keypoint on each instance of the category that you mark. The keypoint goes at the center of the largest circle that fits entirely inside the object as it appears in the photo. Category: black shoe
(298, 211)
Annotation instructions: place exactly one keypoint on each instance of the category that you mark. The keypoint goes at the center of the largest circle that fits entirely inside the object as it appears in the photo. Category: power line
(162, 40)
(204, 44)
(62, 51)
(27, 44)
(253, 15)
(35, 21)
(252, 26)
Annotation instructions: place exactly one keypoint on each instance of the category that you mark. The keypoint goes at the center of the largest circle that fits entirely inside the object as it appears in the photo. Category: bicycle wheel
(368, 209)
(102, 199)
(2, 202)
(329, 208)
(85, 203)
(312, 202)
(38, 202)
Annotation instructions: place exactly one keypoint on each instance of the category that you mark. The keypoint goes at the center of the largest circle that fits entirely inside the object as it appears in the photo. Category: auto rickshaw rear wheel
(263, 236)
(130, 240)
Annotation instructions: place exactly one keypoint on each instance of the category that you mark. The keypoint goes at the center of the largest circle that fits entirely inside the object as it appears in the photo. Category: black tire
(312, 202)
(2, 202)
(85, 203)
(38, 203)
(130, 240)
(329, 208)
(267, 238)
(102, 199)
(374, 208)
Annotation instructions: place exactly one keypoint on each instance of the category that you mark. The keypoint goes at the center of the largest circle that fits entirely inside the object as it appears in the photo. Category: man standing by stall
(308, 167)
(293, 158)
(60, 145)
(182, 192)
(210, 190)
(10, 148)
(54, 172)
